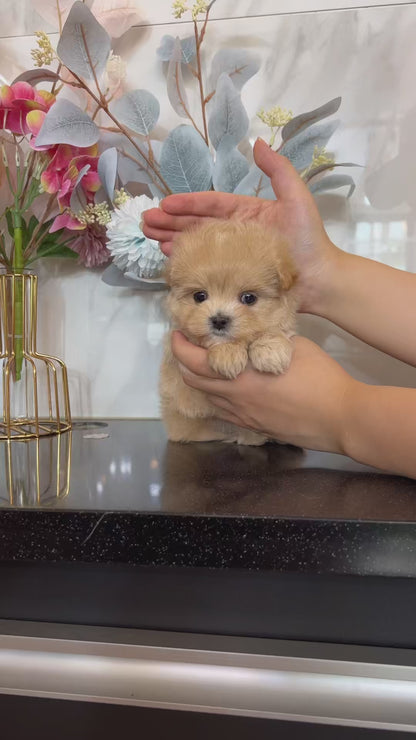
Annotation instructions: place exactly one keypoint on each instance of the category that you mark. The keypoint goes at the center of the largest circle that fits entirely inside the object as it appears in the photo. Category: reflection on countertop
(127, 465)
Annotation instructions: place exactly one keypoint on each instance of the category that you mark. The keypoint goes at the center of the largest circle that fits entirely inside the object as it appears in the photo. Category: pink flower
(91, 246)
(69, 167)
(66, 221)
(23, 108)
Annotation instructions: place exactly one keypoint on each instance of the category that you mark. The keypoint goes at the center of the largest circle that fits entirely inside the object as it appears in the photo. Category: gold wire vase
(34, 397)
(35, 472)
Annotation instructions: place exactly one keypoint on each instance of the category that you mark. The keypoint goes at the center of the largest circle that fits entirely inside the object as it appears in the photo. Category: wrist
(325, 284)
(350, 432)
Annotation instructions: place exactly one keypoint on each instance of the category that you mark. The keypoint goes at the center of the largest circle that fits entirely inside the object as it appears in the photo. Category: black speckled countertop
(135, 499)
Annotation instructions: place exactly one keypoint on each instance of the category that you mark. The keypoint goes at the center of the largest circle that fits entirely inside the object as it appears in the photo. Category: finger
(166, 248)
(159, 235)
(220, 402)
(158, 219)
(285, 180)
(201, 383)
(210, 203)
(230, 418)
(194, 359)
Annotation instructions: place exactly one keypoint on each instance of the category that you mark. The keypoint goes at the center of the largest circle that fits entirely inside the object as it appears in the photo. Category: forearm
(379, 427)
(374, 302)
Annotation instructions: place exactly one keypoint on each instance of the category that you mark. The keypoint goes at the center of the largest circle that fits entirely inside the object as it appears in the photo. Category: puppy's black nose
(219, 321)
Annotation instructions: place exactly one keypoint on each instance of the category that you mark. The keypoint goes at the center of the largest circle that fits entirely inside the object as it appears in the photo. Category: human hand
(306, 406)
(294, 214)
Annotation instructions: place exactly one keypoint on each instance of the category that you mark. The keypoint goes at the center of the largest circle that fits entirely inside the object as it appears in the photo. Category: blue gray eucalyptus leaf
(174, 83)
(238, 64)
(77, 201)
(84, 45)
(323, 167)
(228, 116)
(65, 123)
(165, 50)
(230, 166)
(139, 110)
(300, 149)
(299, 123)
(34, 76)
(186, 162)
(332, 182)
(107, 170)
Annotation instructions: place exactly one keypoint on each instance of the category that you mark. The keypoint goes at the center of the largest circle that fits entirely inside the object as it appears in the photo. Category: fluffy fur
(213, 274)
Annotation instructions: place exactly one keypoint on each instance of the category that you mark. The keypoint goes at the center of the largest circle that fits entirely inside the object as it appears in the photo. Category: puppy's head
(230, 281)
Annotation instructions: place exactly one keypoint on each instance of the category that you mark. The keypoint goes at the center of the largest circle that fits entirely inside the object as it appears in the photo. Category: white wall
(312, 51)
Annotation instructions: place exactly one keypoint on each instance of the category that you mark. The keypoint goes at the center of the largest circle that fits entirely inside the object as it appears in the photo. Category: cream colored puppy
(231, 291)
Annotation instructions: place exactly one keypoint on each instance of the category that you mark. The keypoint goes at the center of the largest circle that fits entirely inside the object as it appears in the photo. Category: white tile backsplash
(111, 338)
(25, 16)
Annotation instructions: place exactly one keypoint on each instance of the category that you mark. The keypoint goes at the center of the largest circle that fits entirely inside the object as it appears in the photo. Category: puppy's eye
(200, 296)
(248, 298)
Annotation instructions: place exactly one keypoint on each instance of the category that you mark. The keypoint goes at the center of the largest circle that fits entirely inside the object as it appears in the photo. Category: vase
(35, 472)
(34, 397)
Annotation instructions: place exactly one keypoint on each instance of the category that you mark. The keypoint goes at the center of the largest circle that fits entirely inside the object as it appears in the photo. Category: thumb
(286, 182)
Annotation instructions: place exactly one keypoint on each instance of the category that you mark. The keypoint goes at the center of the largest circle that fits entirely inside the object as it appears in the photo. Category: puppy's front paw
(228, 359)
(271, 354)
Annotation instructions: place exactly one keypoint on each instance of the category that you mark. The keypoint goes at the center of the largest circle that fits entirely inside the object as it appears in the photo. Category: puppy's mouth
(216, 336)
(224, 333)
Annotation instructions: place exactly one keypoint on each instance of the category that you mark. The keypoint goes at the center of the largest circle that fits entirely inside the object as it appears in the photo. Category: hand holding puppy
(314, 404)
(308, 406)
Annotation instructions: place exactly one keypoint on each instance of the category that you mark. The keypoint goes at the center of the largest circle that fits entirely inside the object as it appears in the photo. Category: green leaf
(25, 237)
(52, 249)
(51, 246)
(9, 219)
(33, 222)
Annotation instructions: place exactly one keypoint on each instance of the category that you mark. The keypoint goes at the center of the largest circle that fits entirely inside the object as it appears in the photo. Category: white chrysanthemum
(131, 250)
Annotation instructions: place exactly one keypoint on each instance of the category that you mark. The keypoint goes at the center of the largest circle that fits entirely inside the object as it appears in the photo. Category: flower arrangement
(70, 152)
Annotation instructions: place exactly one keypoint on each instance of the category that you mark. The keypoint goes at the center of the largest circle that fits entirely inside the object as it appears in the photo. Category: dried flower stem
(137, 161)
(58, 69)
(150, 150)
(198, 42)
(58, 9)
(182, 102)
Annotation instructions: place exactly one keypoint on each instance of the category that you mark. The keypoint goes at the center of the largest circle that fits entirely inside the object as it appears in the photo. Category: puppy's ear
(285, 267)
(287, 272)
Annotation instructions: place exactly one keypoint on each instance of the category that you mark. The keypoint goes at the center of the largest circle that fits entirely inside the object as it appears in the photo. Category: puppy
(231, 291)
